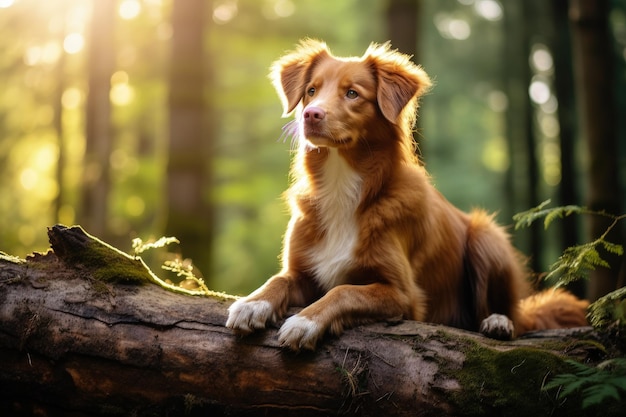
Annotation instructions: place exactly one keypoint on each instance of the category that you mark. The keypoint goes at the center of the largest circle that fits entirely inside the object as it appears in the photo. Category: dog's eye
(311, 91)
(352, 94)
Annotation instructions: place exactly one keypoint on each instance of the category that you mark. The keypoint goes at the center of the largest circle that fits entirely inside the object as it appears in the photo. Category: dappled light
(539, 91)
(452, 28)
(225, 11)
(73, 43)
(542, 59)
(122, 93)
(489, 9)
(129, 9)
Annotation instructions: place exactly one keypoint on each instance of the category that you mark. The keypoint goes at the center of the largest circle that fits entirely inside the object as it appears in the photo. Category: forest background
(144, 118)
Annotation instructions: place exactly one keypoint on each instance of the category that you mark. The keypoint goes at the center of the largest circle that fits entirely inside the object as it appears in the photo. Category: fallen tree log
(83, 332)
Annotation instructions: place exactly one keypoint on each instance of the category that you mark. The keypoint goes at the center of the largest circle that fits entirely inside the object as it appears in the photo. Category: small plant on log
(190, 284)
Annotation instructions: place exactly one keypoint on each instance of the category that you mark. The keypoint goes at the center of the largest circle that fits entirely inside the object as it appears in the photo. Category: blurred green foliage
(43, 80)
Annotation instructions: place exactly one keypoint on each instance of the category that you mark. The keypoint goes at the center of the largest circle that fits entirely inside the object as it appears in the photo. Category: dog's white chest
(338, 199)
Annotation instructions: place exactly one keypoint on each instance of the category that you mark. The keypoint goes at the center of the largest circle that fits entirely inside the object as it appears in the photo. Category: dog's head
(337, 99)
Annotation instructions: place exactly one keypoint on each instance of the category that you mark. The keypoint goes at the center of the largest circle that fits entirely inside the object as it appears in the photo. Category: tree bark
(84, 332)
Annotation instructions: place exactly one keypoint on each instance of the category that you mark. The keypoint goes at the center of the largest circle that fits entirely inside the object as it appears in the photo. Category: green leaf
(620, 382)
(596, 384)
(596, 394)
(526, 218)
(569, 382)
(560, 212)
(608, 309)
(613, 247)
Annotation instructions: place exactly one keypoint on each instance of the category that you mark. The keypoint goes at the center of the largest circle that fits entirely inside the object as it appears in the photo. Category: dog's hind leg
(496, 276)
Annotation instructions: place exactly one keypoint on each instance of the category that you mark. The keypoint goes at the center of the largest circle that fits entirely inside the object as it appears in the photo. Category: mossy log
(84, 331)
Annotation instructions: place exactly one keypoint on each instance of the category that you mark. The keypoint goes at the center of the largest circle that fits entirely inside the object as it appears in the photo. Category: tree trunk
(403, 26)
(57, 123)
(593, 69)
(83, 332)
(523, 177)
(98, 141)
(564, 89)
(189, 216)
(403, 29)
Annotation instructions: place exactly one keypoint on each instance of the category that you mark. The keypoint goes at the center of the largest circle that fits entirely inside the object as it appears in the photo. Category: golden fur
(370, 238)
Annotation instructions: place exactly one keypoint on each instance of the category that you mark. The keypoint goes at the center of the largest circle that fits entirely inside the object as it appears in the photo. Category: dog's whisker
(290, 131)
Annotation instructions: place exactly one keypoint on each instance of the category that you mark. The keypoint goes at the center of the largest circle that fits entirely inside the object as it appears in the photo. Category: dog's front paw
(247, 316)
(497, 326)
(299, 332)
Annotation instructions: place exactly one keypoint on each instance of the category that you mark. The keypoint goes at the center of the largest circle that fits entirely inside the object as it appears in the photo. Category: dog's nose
(313, 115)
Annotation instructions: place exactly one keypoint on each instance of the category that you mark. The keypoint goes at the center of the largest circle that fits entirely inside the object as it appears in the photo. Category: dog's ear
(399, 80)
(291, 73)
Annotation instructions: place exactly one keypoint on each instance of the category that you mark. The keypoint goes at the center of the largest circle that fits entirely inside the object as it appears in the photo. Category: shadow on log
(85, 331)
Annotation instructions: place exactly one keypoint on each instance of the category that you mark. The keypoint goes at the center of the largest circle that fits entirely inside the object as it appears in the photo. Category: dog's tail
(551, 309)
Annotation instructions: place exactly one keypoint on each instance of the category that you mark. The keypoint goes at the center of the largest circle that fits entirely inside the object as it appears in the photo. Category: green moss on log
(511, 383)
(506, 383)
(106, 263)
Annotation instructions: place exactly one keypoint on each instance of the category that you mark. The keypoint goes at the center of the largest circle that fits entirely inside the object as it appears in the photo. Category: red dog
(370, 238)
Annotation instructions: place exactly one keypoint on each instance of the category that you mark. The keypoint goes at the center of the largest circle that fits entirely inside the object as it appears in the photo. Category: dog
(370, 238)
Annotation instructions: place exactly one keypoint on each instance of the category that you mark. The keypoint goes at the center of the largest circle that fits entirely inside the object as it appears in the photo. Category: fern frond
(612, 247)
(528, 217)
(139, 246)
(597, 384)
(575, 263)
(608, 309)
(595, 394)
(561, 212)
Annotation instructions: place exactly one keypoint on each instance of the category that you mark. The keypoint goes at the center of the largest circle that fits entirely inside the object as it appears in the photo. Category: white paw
(246, 316)
(299, 332)
(497, 326)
